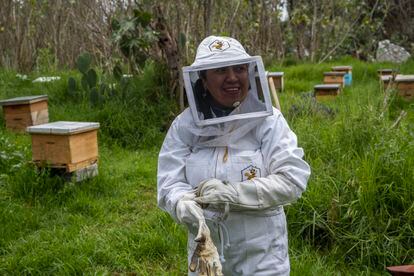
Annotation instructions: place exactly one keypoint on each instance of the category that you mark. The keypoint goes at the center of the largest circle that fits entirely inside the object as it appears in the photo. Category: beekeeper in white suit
(231, 162)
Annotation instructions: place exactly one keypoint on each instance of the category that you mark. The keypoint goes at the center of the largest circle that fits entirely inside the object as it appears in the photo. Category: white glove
(254, 194)
(188, 211)
(205, 256)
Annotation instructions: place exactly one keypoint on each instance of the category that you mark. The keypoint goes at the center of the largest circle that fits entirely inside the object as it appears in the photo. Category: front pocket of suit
(247, 165)
(198, 166)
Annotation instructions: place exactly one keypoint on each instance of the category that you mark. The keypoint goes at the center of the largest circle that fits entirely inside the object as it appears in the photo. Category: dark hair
(203, 104)
(203, 74)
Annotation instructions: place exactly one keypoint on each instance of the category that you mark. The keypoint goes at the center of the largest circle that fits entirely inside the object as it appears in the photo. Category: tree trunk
(208, 4)
(169, 47)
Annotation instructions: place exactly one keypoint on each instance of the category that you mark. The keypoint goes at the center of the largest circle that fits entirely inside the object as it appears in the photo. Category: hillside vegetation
(356, 217)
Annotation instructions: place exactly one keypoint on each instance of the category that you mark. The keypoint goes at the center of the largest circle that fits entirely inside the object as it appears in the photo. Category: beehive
(405, 86)
(21, 112)
(348, 73)
(277, 78)
(334, 78)
(386, 72)
(326, 91)
(68, 145)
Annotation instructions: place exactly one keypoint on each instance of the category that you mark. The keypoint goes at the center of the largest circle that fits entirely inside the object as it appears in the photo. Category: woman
(231, 160)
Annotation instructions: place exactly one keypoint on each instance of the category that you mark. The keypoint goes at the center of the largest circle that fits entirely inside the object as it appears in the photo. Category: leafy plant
(96, 91)
(135, 37)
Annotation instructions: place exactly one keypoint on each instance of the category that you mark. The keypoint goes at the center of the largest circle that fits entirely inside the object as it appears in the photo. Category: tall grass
(360, 199)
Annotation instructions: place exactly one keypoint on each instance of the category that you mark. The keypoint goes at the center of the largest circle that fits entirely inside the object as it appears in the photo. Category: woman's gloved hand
(205, 256)
(188, 211)
(216, 192)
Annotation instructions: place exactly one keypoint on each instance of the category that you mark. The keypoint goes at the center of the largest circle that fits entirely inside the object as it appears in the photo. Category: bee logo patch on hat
(250, 172)
(219, 46)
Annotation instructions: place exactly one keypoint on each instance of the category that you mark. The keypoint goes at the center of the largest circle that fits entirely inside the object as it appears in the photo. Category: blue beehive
(348, 75)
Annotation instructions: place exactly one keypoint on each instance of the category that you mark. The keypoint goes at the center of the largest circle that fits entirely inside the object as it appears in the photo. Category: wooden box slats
(69, 145)
(334, 78)
(326, 91)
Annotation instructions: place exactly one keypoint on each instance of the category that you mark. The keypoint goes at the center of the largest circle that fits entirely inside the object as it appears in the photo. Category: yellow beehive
(68, 145)
(21, 112)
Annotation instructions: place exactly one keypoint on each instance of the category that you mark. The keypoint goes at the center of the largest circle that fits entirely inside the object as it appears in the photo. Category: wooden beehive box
(405, 86)
(68, 145)
(386, 72)
(21, 112)
(326, 91)
(348, 73)
(334, 78)
(277, 78)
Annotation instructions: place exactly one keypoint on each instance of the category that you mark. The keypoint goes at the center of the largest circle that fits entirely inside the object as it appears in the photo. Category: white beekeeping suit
(241, 165)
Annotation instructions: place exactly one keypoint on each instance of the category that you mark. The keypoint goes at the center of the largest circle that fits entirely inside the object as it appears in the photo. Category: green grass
(356, 217)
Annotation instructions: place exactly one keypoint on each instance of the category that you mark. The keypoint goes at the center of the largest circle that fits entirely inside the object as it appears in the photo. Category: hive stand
(326, 91)
(348, 73)
(71, 147)
(22, 112)
(405, 86)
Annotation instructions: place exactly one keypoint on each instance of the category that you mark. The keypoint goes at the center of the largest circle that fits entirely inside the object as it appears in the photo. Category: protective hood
(226, 89)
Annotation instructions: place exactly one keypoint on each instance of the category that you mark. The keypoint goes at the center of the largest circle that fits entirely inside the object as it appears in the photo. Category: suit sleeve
(288, 172)
(171, 178)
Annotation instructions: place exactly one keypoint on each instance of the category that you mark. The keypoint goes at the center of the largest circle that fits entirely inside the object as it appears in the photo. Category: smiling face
(228, 84)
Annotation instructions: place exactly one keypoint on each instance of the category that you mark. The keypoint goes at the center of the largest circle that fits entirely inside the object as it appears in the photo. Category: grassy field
(356, 217)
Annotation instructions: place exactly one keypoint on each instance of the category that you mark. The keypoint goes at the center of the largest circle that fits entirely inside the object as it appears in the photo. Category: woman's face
(228, 85)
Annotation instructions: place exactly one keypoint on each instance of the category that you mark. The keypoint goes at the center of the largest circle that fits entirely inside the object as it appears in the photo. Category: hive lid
(342, 68)
(275, 74)
(386, 70)
(23, 100)
(63, 128)
(404, 78)
(335, 73)
(327, 86)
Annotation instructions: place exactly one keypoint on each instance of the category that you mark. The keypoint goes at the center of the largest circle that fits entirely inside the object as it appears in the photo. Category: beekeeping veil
(218, 125)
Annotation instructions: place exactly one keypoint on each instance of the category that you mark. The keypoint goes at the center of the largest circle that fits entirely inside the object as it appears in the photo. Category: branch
(397, 122)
